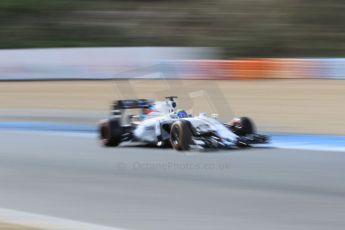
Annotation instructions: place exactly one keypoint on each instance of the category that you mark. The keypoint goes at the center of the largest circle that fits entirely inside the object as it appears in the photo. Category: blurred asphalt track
(51, 164)
(68, 175)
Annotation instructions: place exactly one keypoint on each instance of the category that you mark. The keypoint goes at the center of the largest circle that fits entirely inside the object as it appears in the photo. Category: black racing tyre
(245, 127)
(110, 132)
(181, 135)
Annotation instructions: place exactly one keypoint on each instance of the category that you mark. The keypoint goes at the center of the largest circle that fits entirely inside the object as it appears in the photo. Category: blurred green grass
(243, 28)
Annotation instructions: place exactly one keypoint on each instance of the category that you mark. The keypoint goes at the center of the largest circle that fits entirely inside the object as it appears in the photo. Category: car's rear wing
(131, 104)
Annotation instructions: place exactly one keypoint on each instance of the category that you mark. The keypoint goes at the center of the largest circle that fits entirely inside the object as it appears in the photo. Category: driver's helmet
(182, 114)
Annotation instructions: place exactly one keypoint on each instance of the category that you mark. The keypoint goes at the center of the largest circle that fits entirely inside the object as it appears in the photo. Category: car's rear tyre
(110, 132)
(243, 126)
(181, 135)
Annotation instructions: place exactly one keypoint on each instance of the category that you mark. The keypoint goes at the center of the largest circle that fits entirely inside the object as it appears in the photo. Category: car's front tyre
(242, 126)
(180, 136)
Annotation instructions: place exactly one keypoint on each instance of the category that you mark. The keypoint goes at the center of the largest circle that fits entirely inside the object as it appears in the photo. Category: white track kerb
(47, 222)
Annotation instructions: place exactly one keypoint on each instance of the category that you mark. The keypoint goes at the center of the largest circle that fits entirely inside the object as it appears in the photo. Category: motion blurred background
(250, 42)
(242, 28)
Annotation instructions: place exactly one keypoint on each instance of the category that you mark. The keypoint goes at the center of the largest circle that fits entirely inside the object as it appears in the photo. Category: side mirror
(215, 115)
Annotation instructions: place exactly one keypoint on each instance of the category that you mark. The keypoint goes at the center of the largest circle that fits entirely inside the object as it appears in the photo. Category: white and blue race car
(160, 124)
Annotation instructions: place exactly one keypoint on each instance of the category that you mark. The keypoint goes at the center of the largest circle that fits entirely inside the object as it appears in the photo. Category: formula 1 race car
(160, 124)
